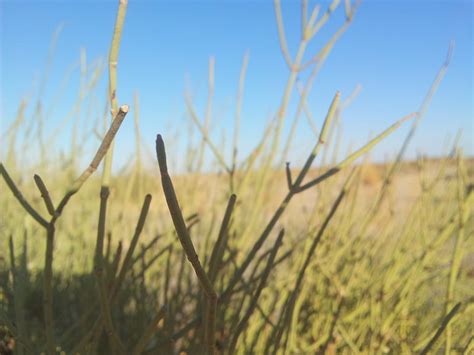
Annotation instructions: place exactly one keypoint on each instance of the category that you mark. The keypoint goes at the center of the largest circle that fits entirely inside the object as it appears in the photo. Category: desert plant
(283, 260)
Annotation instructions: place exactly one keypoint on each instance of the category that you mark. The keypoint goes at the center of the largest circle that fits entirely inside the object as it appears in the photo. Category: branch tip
(161, 154)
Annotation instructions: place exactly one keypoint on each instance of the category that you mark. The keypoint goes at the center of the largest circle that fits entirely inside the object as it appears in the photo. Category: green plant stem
(187, 244)
(48, 289)
(441, 328)
(21, 199)
(219, 246)
(99, 155)
(255, 297)
(127, 262)
(148, 333)
(44, 194)
(113, 61)
(289, 308)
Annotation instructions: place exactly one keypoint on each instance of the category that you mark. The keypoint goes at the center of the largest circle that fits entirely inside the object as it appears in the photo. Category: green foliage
(340, 259)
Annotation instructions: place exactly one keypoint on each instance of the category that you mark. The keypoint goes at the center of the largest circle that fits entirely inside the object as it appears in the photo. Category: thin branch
(308, 113)
(322, 21)
(288, 176)
(44, 194)
(278, 213)
(146, 248)
(219, 246)
(148, 332)
(289, 309)
(238, 109)
(205, 135)
(48, 288)
(321, 140)
(304, 17)
(127, 262)
(426, 102)
(114, 266)
(21, 199)
(323, 53)
(106, 319)
(348, 10)
(332, 327)
(208, 114)
(99, 155)
(254, 300)
(443, 325)
(187, 243)
(346, 162)
(113, 62)
(311, 22)
(281, 35)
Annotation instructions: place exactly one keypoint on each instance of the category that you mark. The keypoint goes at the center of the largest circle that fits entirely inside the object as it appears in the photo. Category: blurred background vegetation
(331, 253)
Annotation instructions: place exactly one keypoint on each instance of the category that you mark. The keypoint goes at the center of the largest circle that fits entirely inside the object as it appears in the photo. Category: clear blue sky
(393, 49)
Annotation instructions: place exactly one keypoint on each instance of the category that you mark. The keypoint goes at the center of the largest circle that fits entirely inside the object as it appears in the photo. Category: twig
(113, 61)
(99, 155)
(254, 301)
(322, 21)
(207, 116)
(44, 194)
(282, 36)
(187, 243)
(21, 199)
(148, 332)
(238, 110)
(346, 162)
(127, 262)
(289, 309)
(205, 135)
(441, 328)
(219, 246)
(289, 180)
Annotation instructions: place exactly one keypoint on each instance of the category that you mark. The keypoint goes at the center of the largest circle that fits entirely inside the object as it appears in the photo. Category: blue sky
(393, 49)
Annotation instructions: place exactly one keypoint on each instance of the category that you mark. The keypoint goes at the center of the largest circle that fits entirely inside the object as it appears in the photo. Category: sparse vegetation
(348, 257)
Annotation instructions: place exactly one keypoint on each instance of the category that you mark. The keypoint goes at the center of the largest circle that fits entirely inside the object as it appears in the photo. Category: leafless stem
(44, 194)
(289, 180)
(21, 199)
(187, 244)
